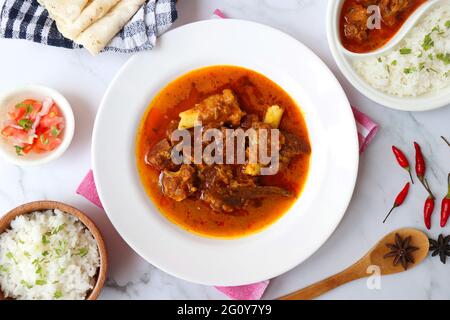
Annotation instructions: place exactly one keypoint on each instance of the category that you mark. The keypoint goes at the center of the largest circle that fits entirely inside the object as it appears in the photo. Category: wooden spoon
(375, 257)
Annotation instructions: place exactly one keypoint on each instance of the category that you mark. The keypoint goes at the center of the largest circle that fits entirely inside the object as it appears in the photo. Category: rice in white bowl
(419, 64)
(47, 255)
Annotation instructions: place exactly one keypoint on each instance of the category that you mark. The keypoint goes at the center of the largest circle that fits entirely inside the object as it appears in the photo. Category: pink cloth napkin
(366, 131)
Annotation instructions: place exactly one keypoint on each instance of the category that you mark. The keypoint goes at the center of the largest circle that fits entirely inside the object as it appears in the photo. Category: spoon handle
(356, 271)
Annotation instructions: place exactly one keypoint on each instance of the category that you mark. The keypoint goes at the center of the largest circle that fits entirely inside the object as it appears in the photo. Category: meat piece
(390, 10)
(355, 26)
(220, 109)
(239, 197)
(172, 127)
(180, 184)
(217, 183)
(293, 147)
(159, 156)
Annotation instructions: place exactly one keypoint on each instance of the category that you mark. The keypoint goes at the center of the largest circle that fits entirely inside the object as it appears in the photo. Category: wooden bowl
(5, 222)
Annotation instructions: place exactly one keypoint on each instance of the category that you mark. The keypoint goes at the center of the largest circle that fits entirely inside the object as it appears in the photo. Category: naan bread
(95, 10)
(99, 34)
(64, 10)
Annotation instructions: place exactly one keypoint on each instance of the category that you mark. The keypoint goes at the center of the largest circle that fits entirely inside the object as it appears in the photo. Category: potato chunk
(273, 116)
(188, 119)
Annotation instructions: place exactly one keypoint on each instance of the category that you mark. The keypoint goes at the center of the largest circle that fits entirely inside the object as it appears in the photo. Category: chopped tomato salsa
(34, 126)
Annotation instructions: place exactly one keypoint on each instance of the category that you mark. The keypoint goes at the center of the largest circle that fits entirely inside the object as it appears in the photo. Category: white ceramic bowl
(344, 61)
(10, 98)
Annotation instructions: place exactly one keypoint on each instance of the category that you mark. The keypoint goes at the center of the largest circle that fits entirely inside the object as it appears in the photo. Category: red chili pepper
(445, 206)
(399, 200)
(402, 161)
(420, 163)
(428, 211)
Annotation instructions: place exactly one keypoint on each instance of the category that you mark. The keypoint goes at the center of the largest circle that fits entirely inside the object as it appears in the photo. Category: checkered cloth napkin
(26, 19)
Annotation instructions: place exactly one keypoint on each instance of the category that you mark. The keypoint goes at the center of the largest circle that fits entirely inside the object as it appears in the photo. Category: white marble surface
(83, 80)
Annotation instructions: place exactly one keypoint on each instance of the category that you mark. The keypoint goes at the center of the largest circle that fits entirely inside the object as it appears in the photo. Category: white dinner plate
(290, 240)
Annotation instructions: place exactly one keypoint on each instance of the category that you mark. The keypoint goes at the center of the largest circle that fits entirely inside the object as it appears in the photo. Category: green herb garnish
(379, 60)
(45, 239)
(43, 139)
(421, 66)
(82, 252)
(430, 56)
(41, 282)
(447, 24)
(26, 284)
(428, 42)
(409, 70)
(55, 132)
(394, 62)
(61, 270)
(405, 51)
(58, 228)
(19, 150)
(58, 294)
(10, 256)
(445, 58)
(3, 268)
(27, 254)
(26, 124)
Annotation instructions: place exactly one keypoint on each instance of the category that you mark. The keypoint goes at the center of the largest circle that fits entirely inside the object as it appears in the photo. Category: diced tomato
(27, 148)
(51, 120)
(46, 142)
(20, 135)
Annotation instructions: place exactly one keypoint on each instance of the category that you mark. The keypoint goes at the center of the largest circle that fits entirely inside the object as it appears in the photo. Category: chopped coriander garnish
(26, 284)
(428, 42)
(58, 294)
(421, 66)
(405, 51)
(27, 254)
(3, 268)
(26, 124)
(430, 56)
(10, 256)
(447, 24)
(420, 55)
(58, 228)
(61, 270)
(54, 131)
(43, 139)
(45, 253)
(82, 252)
(41, 282)
(394, 62)
(19, 150)
(379, 60)
(45, 239)
(409, 70)
(445, 58)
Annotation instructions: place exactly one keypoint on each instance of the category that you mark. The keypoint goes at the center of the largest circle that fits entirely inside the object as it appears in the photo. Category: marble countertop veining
(83, 80)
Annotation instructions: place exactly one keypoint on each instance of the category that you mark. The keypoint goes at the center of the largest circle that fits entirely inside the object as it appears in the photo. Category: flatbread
(99, 34)
(95, 10)
(64, 10)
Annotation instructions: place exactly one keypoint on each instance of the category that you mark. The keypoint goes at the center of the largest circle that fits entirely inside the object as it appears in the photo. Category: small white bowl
(430, 101)
(10, 98)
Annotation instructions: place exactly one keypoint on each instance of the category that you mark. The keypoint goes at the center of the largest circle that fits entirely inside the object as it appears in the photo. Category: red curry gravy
(254, 92)
(376, 38)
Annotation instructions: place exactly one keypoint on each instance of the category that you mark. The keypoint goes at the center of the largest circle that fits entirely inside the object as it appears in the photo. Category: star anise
(401, 250)
(440, 247)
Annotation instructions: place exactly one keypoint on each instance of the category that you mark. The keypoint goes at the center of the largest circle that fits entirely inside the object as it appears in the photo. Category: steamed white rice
(425, 69)
(47, 255)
